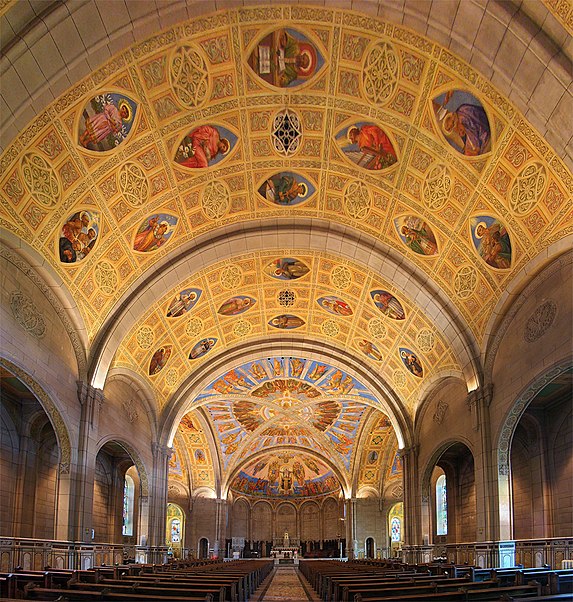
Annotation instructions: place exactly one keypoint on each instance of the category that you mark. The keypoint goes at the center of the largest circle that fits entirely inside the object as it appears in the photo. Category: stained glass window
(395, 529)
(441, 506)
(128, 502)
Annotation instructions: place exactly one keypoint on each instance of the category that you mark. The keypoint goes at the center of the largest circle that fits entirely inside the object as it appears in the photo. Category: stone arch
(135, 457)
(52, 411)
(261, 513)
(504, 439)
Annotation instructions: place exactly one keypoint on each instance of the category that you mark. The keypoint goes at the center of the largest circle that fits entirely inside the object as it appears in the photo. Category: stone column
(412, 502)
(221, 519)
(158, 501)
(350, 525)
(81, 523)
(478, 402)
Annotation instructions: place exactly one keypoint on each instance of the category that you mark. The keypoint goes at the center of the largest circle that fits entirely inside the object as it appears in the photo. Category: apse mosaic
(286, 475)
(138, 143)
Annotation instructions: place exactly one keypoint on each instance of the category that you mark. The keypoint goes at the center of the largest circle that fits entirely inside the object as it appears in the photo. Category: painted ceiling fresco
(270, 113)
(287, 475)
(280, 401)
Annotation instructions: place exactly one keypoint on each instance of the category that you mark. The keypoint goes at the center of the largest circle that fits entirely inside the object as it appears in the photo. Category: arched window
(128, 504)
(441, 506)
(395, 529)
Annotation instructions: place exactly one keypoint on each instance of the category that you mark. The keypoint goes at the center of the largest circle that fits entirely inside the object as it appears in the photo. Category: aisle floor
(286, 584)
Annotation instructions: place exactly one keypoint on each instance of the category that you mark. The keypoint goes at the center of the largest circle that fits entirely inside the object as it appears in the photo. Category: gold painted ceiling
(300, 120)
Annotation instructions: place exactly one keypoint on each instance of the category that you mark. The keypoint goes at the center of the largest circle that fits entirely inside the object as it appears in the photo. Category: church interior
(286, 280)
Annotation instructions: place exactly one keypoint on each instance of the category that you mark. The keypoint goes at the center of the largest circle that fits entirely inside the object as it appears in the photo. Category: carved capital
(159, 450)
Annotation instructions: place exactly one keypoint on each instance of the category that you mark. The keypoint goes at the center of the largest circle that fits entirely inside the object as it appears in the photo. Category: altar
(285, 549)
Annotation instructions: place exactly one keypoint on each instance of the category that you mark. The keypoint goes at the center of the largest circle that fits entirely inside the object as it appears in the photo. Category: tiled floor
(286, 585)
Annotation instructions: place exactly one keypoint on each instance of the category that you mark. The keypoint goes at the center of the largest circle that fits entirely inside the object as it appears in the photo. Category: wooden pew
(561, 582)
(487, 594)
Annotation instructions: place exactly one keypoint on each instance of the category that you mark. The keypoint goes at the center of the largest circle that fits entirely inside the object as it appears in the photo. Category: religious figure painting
(416, 234)
(287, 268)
(411, 362)
(491, 240)
(369, 349)
(200, 456)
(204, 146)
(367, 145)
(286, 322)
(286, 189)
(236, 305)
(159, 359)
(154, 232)
(202, 347)
(463, 122)
(106, 121)
(78, 236)
(183, 302)
(335, 305)
(285, 58)
(388, 304)
(372, 457)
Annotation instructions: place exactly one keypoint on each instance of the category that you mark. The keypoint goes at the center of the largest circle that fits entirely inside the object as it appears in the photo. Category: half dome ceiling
(183, 191)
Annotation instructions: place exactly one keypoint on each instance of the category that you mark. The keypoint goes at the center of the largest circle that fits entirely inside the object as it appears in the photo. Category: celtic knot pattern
(133, 184)
(437, 186)
(231, 277)
(357, 201)
(399, 379)
(194, 327)
(145, 337)
(25, 311)
(341, 277)
(380, 73)
(465, 281)
(171, 377)
(527, 188)
(425, 340)
(377, 328)
(287, 133)
(540, 321)
(330, 328)
(216, 200)
(189, 77)
(242, 328)
(106, 277)
(40, 179)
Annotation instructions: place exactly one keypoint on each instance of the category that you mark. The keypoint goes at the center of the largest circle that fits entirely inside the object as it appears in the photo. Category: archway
(203, 548)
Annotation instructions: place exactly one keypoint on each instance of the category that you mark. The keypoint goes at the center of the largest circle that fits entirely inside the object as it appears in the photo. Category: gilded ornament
(341, 277)
(330, 328)
(437, 186)
(377, 328)
(465, 281)
(194, 327)
(216, 200)
(231, 277)
(527, 188)
(106, 278)
(242, 328)
(380, 73)
(357, 200)
(40, 179)
(286, 134)
(133, 184)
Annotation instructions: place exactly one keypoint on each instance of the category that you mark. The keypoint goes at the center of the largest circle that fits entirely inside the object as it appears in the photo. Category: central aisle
(287, 585)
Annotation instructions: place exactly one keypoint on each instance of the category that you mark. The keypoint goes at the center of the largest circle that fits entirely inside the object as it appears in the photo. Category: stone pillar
(221, 520)
(478, 402)
(158, 501)
(412, 527)
(81, 523)
(350, 526)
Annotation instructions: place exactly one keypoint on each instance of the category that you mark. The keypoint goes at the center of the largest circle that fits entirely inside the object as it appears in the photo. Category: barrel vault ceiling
(267, 130)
